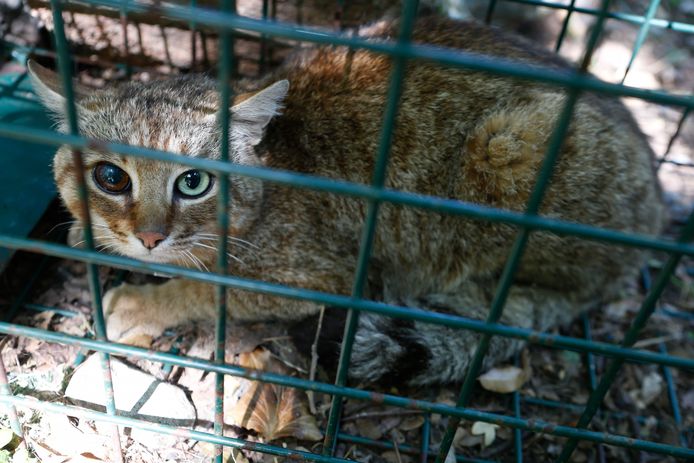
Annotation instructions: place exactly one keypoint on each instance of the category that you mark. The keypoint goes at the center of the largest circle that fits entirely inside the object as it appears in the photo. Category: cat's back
(447, 118)
(476, 137)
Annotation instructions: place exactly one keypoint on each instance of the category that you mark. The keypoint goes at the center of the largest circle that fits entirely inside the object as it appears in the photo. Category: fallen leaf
(67, 443)
(6, 436)
(22, 456)
(651, 388)
(504, 380)
(412, 422)
(369, 428)
(271, 410)
(488, 430)
(237, 456)
(393, 456)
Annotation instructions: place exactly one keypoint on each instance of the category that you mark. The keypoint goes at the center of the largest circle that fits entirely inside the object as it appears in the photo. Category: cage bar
(451, 57)
(552, 153)
(88, 234)
(224, 122)
(433, 203)
(643, 33)
(626, 17)
(535, 337)
(369, 227)
(565, 25)
(672, 397)
(539, 426)
(630, 338)
(517, 434)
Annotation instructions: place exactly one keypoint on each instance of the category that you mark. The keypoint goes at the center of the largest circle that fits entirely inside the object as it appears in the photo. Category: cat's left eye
(193, 183)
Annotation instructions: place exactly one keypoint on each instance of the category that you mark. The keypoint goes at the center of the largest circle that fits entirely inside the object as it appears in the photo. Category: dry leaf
(369, 428)
(392, 456)
(488, 430)
(272, 411)
(651, 388)
(67, 443)
(22, 455)
(412, 422)
(6, 436)
(504, 380)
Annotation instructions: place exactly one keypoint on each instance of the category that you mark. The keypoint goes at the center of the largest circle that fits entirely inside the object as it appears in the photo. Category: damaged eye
(111, 178)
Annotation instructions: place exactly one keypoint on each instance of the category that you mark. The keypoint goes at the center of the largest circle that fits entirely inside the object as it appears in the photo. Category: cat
(460, 134)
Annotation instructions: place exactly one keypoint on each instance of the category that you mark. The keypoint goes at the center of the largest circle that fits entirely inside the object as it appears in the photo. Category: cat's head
(152, 210)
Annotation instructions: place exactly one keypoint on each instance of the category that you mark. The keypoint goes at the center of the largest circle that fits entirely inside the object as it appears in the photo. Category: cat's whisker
(109, 248)
(198, 263)
(229, 254)
(184, 262)
(229, 238)
(194, 260)
(248, 247)
(82, 241)
(206, 246)
(94, 225)
(69, 222)
(235, 258)
(239, 240)
(190, 258)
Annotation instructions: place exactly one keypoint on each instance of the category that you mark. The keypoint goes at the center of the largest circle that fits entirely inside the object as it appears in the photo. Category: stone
(137, 395)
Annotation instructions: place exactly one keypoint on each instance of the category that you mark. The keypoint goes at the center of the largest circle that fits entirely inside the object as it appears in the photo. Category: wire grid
(226, 21)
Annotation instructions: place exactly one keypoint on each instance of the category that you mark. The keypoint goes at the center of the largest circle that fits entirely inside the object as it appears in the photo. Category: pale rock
(504, 379)
(137, 394)
(488, 430)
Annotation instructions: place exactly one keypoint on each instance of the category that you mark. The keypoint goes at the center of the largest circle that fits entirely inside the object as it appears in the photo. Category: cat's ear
(253, 114)
(48, 86)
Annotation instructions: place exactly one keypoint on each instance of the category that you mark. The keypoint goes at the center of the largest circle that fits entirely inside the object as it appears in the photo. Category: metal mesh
(227, 22)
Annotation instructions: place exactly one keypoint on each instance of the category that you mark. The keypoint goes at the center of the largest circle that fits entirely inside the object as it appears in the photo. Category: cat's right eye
(111, 178)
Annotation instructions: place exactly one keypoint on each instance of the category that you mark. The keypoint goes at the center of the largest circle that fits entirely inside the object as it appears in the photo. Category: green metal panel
(26, 181)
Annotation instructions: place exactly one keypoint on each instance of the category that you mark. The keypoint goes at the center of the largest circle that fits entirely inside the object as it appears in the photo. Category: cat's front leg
(137, 314)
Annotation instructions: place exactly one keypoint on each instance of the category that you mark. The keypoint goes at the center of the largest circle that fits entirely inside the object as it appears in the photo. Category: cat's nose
(150, 240)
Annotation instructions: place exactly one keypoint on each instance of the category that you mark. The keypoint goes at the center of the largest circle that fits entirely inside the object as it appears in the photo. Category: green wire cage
(229, 25)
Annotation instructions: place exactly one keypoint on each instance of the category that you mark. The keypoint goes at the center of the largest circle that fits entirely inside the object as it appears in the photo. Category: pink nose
(150, 240)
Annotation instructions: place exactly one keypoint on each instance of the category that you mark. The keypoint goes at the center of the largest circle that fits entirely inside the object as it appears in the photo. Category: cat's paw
(131, 315)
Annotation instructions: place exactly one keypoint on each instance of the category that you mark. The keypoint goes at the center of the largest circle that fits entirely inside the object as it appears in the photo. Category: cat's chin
(158, 259)
(154, 258)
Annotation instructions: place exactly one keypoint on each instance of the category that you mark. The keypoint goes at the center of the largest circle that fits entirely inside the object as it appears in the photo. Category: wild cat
(462, 135)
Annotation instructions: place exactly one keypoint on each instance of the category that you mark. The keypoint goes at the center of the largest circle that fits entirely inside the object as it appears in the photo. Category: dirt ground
(557, 383)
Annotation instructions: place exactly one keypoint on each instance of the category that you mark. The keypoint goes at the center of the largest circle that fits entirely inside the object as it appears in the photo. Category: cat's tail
(392, 351)
(400, 352)
(396, 352)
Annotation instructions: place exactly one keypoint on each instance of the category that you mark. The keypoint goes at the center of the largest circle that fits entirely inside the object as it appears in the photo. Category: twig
(349, 451)
(657, 340)
(395, 446)
(288, 363)
(360, 416)
(314, 361)
(275, 338)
